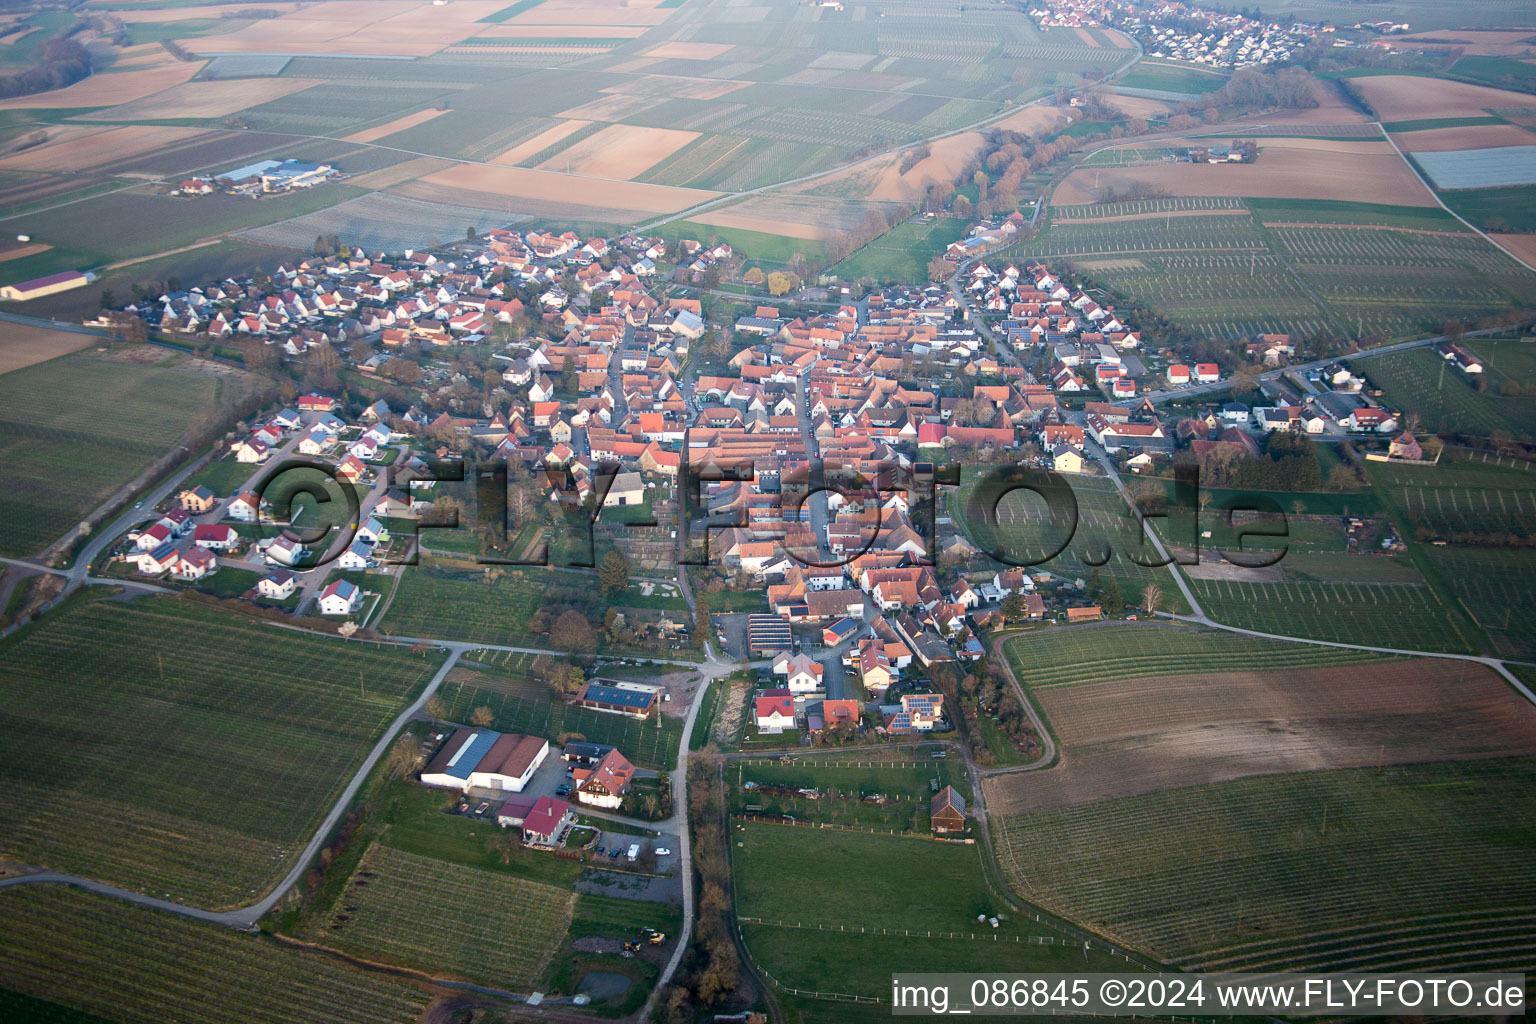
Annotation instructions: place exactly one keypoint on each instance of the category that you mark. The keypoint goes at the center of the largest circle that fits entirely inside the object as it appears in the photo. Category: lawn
(523, 704)
(1414, 867)
(1172, 78)
(857, 880)
(75, 429)
(206, 748)
(902, 254)
(123, 963)
(483, 926)
(757, 247)
(224, 477)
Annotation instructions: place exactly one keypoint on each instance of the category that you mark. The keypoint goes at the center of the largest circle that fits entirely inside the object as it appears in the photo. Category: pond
(602, 985)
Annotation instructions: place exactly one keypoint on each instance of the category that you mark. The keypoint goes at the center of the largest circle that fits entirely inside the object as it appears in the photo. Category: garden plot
(1480, 168)
(381, 221)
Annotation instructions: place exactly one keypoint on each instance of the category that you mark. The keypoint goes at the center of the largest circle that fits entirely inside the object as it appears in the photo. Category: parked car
(662, 851)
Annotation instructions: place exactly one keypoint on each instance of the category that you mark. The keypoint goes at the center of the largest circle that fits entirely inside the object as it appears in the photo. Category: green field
(223, 476)
(119, 962)
(1415, 867)
(206, 749)
(1445, 399)
(1172, 78)
(453, 921)
(75, 429)
(902, 254)
(1143, 650)
(1510, 208)
(522, 704)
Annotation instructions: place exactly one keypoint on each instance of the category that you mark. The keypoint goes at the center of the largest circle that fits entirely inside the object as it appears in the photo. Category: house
(358, 556)
(245, 508)
(605, 784)
(160, 559)
(279, 586)
(774, 711)
(285, 550)
(1207, 373)
(509, 762)
(340, 597)
(1405, 446)
(153, 537)
(1066, 459)
(803, 674)
(1178, 373)
(946, 811)
(546, 824)
(194, 564)
(373, 531)
(216, 537)
(626, 489)
(632, 700)
(197, 500)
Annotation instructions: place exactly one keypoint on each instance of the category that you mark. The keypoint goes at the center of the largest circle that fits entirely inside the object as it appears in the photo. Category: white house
(285, 550)
(803, 673)
(358, 556)
(161, 559)
(245, 508)
(373, 531)
(279, 586)
(340, 598)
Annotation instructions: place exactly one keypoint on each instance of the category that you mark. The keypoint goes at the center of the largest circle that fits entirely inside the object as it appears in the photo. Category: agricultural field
(73, 430)
(70, 949)
(453, 921)
(1407, 616)
(1411, 867)
(1483, 512)
(1122, 733)
(1183, 79)
(159, 699)
(1233, 267)
(1420, 381)
(380, 221)
(1480, 168)
(523, 704)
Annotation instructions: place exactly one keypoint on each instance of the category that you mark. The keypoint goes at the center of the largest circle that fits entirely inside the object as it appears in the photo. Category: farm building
(50, 285)
(450, 768)
(583, 754)
(629, 699)
(509, 763)
(946, 811)
(1089, 613)
(769, 634)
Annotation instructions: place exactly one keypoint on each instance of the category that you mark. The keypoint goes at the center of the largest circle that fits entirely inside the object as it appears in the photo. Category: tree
(403, 758)
(1013, 607)
(505, 844)
(568, 375)
(613, 573)
(573, 633)
(108, 299)
(1151, 598)
(435, 709)
(754, 276)
(700, 623)
(482, 717)
(469, 233)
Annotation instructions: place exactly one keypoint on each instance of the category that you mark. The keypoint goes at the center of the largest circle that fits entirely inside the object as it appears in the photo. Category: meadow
(523, 704)
(206, 748)
(75, 429)
(906, 786)
(902, 254)
(100, 956)
(1412, 867)
(450, 920)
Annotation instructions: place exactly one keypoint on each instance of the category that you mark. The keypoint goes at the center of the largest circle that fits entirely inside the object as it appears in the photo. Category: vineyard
(139, 966)
(1408, 616)
(204, 750)
(1413, 867)
(1443, 397)
(75, 429)
(522, 704)
(1070, 657)
(847, 791)
(454, 921)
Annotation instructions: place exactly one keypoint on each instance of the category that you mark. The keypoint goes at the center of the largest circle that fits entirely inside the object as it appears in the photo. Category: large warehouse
(485, 759)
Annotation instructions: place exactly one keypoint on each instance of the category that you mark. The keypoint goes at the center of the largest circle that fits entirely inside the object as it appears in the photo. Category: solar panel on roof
(470, 754)
(614, 695)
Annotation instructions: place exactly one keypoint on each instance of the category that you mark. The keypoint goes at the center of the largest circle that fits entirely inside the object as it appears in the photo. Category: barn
(946, 811)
